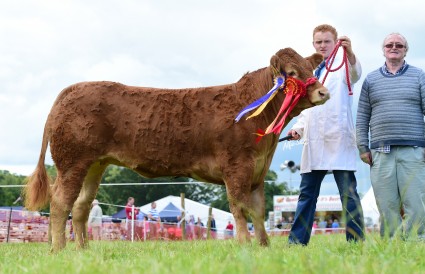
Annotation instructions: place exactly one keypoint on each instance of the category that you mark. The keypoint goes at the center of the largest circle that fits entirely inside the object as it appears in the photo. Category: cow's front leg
(238, 196)
(257, 211)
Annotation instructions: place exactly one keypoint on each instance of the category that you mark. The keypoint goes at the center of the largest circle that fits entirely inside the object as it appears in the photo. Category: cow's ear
(277, 64)
(315, 59)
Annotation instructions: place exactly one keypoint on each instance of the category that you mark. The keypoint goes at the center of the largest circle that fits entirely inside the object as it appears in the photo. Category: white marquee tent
(370, 209)
(193, 208)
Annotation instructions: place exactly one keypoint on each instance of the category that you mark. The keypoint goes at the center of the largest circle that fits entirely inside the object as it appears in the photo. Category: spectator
(335, 224)
(284, 223)
(95, 220)
(279, 224)
(290, 222)
(328, 131)
(322, 223)
(199, 228)
(229, 230)
(154, 220)
(199, 222)
(190, 227)
(213, 228)
(129, 209)
(140, 216)
(391, 138)
(131, 212)
(213, 225)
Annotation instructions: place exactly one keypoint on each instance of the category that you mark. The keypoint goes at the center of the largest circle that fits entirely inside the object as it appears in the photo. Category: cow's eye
(292, 73)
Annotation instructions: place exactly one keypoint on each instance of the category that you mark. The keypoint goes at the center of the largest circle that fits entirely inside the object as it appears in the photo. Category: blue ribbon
(280, 80)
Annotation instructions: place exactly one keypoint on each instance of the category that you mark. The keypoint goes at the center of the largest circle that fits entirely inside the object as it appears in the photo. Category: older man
(95, 220)
(391, 108)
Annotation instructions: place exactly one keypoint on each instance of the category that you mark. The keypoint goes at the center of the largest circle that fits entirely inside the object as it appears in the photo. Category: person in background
(335, 223)
(322, 223)
(95, 220)
(131, 212)
(190, 227)
(154, 220)
(213, 228)
(229, 230)
(329, 142)
(391, 138)
(199, 222)
(199, 228)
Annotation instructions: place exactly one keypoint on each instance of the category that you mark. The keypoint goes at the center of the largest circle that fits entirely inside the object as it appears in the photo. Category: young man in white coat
(329, 142)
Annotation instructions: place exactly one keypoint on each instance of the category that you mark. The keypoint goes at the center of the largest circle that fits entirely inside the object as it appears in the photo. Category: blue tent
(169, 213)
(121, 215)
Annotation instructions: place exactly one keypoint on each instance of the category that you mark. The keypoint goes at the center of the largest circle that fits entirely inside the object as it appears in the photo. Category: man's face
(394, 48)
(324, 43)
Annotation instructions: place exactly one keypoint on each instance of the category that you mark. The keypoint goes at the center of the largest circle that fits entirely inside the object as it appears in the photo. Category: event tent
(170, 213)
(288, 203)
(370, 209)
(192, 208)
(120, 214)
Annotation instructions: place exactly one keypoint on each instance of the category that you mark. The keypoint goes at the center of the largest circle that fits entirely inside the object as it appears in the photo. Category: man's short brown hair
(325, 28)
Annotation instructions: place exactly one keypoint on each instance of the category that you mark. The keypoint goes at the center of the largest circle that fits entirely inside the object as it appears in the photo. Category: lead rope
(331, 59)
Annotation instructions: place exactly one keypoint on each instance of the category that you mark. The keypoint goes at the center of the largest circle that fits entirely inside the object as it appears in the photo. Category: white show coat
(328, 130)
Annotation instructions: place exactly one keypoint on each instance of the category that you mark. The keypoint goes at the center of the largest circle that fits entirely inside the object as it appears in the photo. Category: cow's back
(154, 131)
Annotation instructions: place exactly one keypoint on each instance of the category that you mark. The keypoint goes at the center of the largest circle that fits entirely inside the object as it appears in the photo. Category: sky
(48, 45)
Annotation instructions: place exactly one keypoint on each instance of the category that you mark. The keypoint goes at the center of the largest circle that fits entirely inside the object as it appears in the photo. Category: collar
(385, 70)
(319, 68)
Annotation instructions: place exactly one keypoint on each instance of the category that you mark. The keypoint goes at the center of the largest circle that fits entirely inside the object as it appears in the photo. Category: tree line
(119, 183)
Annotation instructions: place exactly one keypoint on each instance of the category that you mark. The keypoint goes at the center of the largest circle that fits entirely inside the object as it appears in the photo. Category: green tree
(130, 181)
(9, 194)
(119, 183)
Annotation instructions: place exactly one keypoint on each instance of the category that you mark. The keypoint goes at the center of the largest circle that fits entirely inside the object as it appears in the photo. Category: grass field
(324, 254)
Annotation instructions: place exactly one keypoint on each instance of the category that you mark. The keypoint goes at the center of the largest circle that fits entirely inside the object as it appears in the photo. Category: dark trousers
(306, 207)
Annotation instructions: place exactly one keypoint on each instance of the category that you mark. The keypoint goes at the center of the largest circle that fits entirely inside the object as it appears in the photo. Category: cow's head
(293, 65)
(293, 75)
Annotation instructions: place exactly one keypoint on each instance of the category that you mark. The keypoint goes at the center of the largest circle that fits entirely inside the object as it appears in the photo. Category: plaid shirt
(388, 73)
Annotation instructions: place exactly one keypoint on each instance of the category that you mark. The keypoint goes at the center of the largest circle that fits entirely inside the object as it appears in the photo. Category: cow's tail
(37, 190)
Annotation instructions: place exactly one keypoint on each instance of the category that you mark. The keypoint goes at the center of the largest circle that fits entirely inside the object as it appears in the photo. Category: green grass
(324, 254)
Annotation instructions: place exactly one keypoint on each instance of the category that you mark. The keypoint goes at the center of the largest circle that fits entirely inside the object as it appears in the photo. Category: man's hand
(294, 134)
(346, 43)
(366, 158)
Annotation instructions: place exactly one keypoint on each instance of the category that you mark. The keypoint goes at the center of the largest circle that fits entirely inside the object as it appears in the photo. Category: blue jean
(306, 207)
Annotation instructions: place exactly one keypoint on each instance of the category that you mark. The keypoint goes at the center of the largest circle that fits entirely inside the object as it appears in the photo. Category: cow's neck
(256, 84)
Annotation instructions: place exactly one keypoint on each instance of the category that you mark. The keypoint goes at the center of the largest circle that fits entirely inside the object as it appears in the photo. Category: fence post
(183, 219)
(209, 223)
(132, 223)
(8, 227)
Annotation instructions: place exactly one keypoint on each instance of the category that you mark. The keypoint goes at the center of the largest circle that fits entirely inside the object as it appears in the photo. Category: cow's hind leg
(65, 192)
(81, 209)
(257, 211)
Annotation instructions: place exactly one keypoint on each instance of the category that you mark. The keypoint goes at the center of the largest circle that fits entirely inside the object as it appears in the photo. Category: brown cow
(164, 132)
